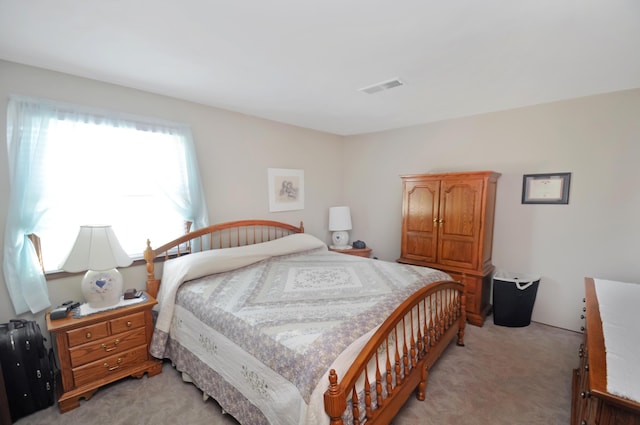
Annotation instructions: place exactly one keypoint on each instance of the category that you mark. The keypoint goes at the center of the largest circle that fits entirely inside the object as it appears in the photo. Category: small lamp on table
(98, 251)
(340, 224)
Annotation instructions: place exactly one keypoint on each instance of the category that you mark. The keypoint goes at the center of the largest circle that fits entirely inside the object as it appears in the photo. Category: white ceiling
(302, 62)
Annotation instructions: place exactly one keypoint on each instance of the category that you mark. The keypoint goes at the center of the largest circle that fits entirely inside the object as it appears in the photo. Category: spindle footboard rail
(397, 359)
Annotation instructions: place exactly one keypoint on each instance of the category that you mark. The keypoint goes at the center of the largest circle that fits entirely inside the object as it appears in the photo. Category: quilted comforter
(266, 322)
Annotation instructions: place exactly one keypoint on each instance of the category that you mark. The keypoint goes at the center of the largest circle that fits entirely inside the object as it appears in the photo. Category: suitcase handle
(14, 324)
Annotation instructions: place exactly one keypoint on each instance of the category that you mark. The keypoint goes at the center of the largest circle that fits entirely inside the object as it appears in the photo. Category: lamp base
(340, 240)
(102, 289)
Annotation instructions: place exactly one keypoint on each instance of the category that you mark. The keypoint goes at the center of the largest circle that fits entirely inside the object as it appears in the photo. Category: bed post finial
(152, 282)
(335, 403)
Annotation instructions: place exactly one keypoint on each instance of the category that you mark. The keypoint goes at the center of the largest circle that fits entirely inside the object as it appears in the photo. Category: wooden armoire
(447, 224)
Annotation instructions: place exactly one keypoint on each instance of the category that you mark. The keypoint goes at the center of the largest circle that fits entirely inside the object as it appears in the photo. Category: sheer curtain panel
(71, 165)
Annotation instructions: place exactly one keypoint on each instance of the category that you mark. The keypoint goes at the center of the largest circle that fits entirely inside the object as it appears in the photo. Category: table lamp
(98, 251)
(339, 224)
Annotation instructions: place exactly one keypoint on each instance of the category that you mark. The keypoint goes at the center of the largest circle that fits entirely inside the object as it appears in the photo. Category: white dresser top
(619, 303)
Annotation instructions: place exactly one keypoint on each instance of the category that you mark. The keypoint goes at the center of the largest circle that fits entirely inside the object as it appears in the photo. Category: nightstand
(362, 252)
(101, 348)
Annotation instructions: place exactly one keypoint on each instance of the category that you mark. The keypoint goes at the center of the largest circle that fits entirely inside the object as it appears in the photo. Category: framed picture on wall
(546, 188)
(286, 189)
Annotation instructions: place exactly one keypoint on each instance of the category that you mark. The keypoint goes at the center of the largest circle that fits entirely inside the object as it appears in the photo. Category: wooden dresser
(447, 224)
(98, 349)
(591, 403)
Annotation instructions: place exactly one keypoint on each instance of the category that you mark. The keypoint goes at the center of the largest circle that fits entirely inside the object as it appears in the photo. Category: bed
(279, 330)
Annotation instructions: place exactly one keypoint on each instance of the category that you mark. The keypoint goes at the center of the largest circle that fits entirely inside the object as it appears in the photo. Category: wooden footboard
(217, 236)
(398, 357)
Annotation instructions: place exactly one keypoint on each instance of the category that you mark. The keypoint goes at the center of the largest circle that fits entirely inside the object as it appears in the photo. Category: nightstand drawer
(112, 365)
(87, 334)
(111, 345)
(126, 323)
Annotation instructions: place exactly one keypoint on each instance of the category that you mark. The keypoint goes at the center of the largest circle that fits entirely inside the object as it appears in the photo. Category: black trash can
(513, 298)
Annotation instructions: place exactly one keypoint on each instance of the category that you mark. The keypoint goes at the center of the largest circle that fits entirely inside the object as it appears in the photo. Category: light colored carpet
(502, 376)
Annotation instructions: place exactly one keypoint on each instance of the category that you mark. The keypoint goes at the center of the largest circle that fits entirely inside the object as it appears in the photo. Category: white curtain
(27, 125)
(30, 126)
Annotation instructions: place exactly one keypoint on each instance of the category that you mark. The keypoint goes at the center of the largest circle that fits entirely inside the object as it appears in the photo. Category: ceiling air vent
(385, 85)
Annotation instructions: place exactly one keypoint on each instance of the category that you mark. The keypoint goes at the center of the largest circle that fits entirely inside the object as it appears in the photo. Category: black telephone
(132, 293)
(62, 310)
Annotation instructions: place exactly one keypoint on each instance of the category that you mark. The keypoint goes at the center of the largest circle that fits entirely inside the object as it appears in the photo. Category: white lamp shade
(339, 218)
(96, 248)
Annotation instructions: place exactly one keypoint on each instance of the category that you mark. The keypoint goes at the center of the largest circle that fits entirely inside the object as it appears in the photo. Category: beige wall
(234, 153)
(596, 138)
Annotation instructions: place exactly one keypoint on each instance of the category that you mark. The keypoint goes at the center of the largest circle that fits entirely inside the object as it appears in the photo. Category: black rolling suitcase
(27, 367)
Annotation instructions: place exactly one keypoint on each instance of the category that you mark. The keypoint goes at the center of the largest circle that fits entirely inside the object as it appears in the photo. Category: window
(71, 166)
(99, 174)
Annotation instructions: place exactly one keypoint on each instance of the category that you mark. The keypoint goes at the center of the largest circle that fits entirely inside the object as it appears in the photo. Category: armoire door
(460, 222)
(420, 220)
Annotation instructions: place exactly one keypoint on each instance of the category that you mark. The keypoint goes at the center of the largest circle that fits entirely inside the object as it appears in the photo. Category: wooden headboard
(216, 236)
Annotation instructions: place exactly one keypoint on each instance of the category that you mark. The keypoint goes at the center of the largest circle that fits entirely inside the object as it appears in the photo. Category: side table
(360, 252)
(101, 348)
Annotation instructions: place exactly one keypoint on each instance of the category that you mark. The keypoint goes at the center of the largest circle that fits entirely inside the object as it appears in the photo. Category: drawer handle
(110, 368)
(115, 345)
(88, 335)
(585, 394)
(129, 323)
